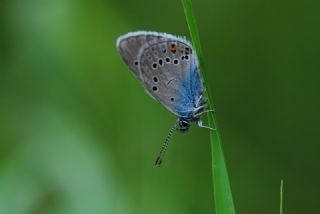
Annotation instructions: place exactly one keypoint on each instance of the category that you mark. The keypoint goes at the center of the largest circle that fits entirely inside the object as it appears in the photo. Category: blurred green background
(79, 135)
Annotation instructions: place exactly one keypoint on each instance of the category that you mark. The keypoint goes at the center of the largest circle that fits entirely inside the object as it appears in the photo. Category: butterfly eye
(172, 99)
(183, 124)
(136, 62)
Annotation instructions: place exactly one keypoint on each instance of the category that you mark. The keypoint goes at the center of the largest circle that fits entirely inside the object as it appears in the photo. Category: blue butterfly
(168, 68)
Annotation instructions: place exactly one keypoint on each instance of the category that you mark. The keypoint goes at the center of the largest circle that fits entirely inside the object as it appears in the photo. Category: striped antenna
(165, 145)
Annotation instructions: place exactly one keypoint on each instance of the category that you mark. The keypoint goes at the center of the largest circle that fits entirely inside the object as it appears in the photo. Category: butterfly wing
(171, 75)
(129, 46)
(167, 66)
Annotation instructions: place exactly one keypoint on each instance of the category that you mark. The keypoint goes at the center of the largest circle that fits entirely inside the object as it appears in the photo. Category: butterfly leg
(210, 110)
(202, 112)
(199, 122)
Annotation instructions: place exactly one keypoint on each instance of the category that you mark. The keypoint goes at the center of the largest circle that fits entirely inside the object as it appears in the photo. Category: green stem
(221, 186)
(281, 196)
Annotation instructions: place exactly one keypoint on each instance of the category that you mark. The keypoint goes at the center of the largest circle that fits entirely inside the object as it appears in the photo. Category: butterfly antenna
(165, 145)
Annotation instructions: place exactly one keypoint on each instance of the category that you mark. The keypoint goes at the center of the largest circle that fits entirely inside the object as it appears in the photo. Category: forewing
(169, 70)
(167, 67)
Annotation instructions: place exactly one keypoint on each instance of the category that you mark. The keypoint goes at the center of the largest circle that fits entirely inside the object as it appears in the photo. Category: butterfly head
(183, 125)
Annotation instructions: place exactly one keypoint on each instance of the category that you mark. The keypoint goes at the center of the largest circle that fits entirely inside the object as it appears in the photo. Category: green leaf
(221, 185)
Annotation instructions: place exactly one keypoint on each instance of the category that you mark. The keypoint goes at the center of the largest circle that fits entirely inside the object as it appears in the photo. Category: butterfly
(168, 68)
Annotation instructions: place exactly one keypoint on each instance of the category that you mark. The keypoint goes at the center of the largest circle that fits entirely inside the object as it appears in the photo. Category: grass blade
(281, 197)
(221, 186)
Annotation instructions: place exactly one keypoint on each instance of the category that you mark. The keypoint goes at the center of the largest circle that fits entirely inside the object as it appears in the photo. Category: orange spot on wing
(173, 49)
